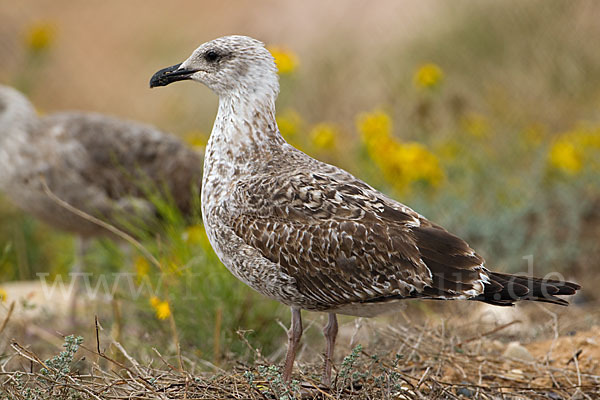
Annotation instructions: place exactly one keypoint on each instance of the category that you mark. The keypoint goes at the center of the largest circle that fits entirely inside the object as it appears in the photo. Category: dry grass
(430, 361)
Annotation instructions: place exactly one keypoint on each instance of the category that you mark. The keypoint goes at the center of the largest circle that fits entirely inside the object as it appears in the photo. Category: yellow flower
(163, 311)
(428, 76)
(324, 136)
(142, 268)
(374, 126)
(154, 301)
(289, 123)
(402, 164)
(3, 295)
(476, 125)
(574, 150)
(418, 164)
(162, 308)
(196, 139)
(40, 36)
(565, 156)
(285, 59)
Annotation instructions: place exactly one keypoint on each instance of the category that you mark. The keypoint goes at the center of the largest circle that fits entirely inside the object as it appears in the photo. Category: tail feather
(506, 289)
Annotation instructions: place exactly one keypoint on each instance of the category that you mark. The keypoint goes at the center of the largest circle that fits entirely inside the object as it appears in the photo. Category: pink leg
(330, 332)
(294, 334)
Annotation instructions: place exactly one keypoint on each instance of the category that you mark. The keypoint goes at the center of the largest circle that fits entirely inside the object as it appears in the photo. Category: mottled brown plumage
(309, 234)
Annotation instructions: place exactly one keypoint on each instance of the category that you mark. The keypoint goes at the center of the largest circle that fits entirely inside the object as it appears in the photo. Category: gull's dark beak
(170, 75)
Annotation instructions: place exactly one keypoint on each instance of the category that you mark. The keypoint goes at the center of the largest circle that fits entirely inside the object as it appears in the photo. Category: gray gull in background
(103, 166)
(309, 234)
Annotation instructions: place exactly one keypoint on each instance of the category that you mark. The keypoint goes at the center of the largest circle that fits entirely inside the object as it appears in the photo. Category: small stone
(553, 396)
(463, 391)
(516, 351)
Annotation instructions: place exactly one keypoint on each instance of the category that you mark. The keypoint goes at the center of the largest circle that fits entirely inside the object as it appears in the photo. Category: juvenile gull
(309, 234)
(101, 165)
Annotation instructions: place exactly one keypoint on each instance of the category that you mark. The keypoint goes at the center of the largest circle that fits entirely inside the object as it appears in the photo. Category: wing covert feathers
(343, 242)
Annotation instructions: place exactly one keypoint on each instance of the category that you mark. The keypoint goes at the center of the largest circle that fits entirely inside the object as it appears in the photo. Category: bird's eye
(211, 56)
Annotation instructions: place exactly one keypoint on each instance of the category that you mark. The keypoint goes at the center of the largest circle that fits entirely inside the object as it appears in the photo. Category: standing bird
(106, 167)
(310, 234)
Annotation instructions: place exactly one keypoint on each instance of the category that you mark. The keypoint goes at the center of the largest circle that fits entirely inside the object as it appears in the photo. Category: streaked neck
(245, 129)
(243, 138)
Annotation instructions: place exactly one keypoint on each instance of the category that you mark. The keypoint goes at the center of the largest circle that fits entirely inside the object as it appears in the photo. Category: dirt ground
(441, 350)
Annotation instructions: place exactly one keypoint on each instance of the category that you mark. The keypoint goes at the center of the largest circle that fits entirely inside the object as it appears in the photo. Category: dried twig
(111, 228)
(430, 366)
(8, 315)
(490, 332)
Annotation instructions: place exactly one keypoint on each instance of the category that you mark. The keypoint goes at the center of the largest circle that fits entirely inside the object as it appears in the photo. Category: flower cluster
(402, 164)
(572, 151)
(162, 308)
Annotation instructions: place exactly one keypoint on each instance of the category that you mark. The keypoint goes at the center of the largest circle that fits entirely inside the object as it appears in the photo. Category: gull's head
(229, 66)
(16, 111)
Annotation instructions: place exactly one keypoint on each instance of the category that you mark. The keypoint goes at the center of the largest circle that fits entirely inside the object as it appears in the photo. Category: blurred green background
(483, 116)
